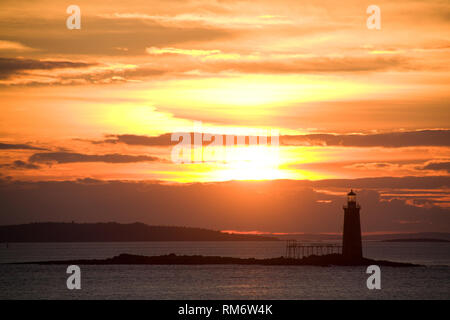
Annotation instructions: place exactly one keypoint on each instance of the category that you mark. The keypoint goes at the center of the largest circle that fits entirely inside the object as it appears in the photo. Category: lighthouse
(351, 240)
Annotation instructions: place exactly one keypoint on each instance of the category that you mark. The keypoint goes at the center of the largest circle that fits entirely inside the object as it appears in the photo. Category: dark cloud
(15, 66)
(97, 76)
(105, 36)
(70, 157)
(164, 140)
(373, 165)
(436, 166)
(138, 140)
(429, 182)
(277, 206)
(387, 140)
(19, 164)
(182, 68)
(314, 65)
(9, 66)
(105, 76)
(341, 115)
(8, 146)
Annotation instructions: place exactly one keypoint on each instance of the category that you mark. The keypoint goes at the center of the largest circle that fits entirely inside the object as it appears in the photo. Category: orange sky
(87, 115)
(91, 103)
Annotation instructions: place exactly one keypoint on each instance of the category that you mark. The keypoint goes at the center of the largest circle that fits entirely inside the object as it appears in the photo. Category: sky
(99, 111)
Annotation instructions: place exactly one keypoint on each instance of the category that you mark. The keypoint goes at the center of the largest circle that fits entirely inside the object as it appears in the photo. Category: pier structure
(297, 250)
(351, 248)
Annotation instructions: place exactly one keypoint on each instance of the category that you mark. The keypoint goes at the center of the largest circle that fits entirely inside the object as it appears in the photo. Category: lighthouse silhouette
(351, 240)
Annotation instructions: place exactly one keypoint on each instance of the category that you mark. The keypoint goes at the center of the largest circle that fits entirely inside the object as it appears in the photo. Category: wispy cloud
(10, 146)
(386, 140)
(19, 164)
(10, 66)
(72, 157)
(6, 45)
(189, 52)
(436, 166)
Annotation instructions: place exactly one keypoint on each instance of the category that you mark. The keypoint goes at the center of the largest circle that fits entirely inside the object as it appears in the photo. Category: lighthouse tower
(351, 240)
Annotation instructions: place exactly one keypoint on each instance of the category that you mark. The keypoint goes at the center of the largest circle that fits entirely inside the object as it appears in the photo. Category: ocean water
(432, 281)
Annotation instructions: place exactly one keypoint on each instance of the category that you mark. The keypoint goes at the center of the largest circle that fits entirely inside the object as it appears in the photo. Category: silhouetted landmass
(416, 240)
(114, 232)
(173, 259)
(313, 237)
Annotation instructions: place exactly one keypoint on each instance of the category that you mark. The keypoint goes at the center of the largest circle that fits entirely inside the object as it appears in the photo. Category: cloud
(19, 164)
(217, 61)
(10, 66)
(71, 157)
(106, 35)
(164, 140)
(13, 46)
(234, 20)
(436, 166)
(272, 206)
(201, 62)
(139, 140)
(8, 146)
(397, 185)
(189, 52)
(387, 140)
(314, 65)
(411, 182)
(204, 62)
(105, 74)
(375, 166)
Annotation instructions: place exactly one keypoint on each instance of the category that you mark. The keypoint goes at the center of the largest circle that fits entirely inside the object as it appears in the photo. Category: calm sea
(220, 281)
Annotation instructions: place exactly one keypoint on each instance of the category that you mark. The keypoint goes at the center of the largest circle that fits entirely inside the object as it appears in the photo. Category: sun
(250, 163)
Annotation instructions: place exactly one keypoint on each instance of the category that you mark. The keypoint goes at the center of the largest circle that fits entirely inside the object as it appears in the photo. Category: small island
(173, 259)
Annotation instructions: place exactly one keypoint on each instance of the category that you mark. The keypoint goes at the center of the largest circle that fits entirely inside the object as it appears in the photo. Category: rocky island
(173, 259)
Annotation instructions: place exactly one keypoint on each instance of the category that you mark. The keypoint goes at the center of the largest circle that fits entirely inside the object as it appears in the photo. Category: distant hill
(370, 237)
(417, 235)
(114, 232)
(416, 240)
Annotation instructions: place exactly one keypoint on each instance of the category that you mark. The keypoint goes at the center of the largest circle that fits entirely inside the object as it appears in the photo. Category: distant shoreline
(415, 240)
(63, 232)
(115, 232)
